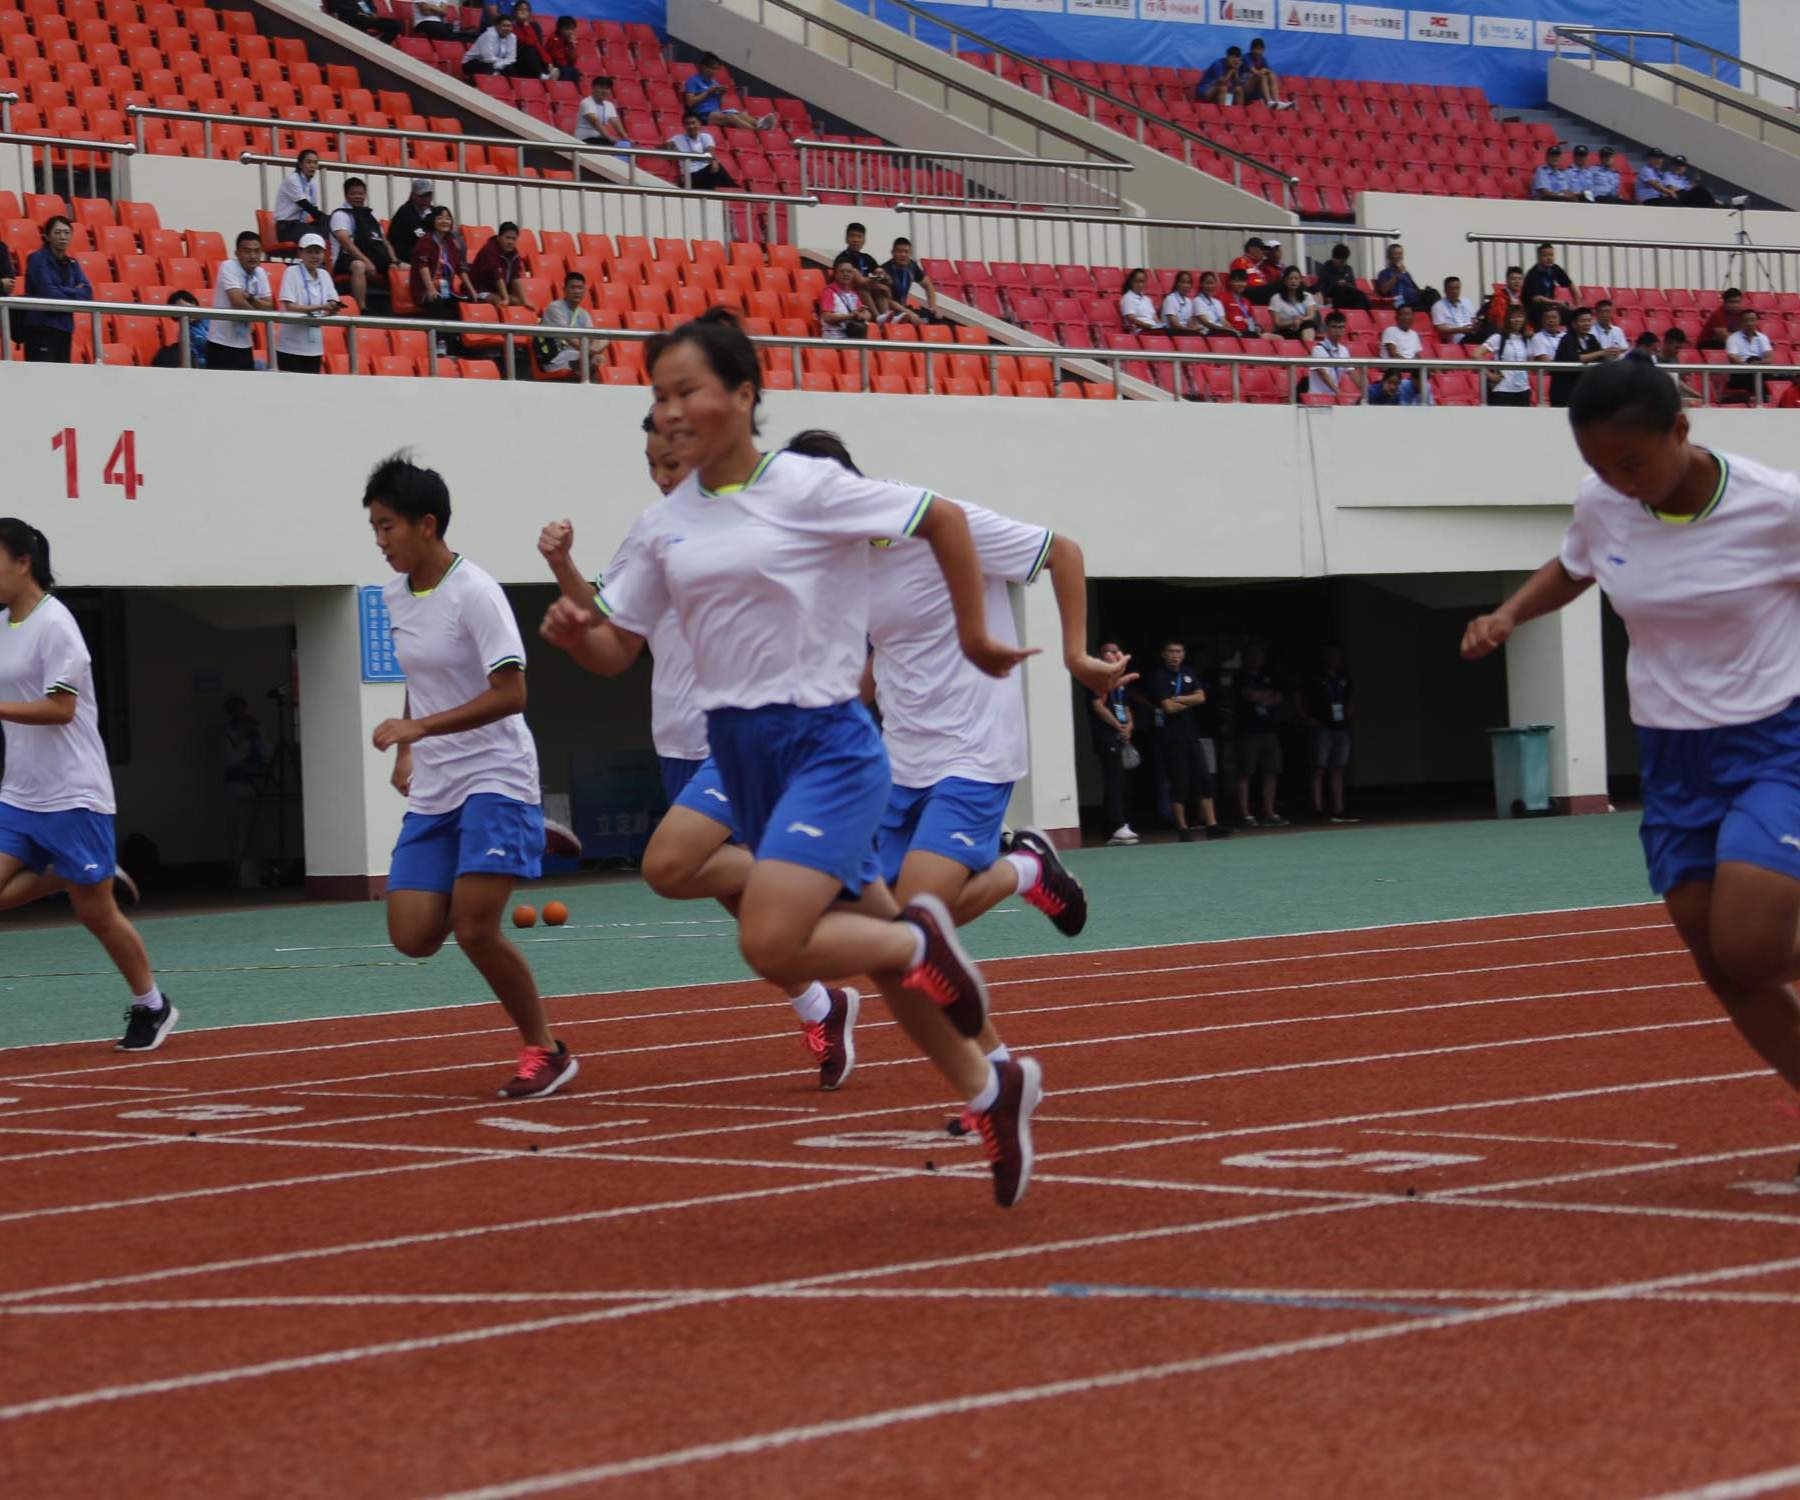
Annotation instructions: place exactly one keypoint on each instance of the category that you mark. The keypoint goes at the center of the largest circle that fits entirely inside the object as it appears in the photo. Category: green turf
(294, 962)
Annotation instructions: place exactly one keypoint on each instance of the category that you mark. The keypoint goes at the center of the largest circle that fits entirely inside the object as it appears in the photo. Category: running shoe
(1005, 1128)
(944, 973)
(146, 1029)
(1057, 894)
(833, 1040)
(125, 889)
(541, 1072)
(1274, 820)
(1250, 821)
(1123, 834)
(560, 840)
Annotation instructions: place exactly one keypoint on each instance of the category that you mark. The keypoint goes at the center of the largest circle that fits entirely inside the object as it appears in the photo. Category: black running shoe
(146, 1029)
(1057, 894)
(944, 973)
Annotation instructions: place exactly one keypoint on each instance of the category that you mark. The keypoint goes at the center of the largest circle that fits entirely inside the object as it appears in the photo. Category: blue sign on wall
(379, 664)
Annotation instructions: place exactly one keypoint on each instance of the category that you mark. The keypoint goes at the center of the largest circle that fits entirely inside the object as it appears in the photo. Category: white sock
(1030, 869)
(990, 1092)
(812, 1003)
(918, 936)
(151, 1000)
(1000, 1054)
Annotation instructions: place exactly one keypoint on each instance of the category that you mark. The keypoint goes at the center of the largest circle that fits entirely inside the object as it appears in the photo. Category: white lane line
(754, 1444)
(1019, 958)
(1765, 1483)
(1536, 1140)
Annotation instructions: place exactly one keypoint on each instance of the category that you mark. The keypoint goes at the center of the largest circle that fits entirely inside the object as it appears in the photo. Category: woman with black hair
(56, 800)
(466, 763)
(765, 559)
(1699, 552)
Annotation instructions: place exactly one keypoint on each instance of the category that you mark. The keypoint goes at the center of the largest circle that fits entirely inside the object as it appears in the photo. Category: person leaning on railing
(242, 284)
(53, 272)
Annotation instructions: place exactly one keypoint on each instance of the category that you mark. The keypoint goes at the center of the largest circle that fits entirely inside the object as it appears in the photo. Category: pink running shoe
(945, 974)
(1057, 894)
(541, 1072)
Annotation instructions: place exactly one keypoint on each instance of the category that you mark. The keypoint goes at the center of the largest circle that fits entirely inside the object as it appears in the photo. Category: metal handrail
(1057, 354)
(1751, 106)
(1676, 263)
(1345, 231)
(1678, 40)
(1722, 246)
(986, 44)
(1011, 161)
(1016, 184)
(7, 101)
(71, 145)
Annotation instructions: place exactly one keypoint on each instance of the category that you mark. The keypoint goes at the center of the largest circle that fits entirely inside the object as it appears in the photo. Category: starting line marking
(539, 1127)
(1536, 1140)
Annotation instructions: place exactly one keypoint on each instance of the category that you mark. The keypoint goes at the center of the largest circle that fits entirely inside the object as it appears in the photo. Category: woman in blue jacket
(53, 272)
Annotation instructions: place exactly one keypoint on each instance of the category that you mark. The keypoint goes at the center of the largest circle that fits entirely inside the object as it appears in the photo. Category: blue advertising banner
(379, 664)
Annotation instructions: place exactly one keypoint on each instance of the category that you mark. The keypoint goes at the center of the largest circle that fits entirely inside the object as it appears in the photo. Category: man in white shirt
(1748, 346)
(1453, 315)
(1613, 338)
(1399, 340)
(1548, 338)
(1322, 380)
(496, 50)
(707, 176)
(597, 120)
(241, 283)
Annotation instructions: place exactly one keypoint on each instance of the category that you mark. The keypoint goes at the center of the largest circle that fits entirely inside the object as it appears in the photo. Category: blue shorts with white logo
(488, 835)
(77, 843)
(1712, 795)
(808, 785)
(704, 793)
(956, 818)
(676, 774)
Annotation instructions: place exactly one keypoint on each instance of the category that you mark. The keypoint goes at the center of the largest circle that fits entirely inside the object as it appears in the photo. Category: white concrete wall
(1769, 36)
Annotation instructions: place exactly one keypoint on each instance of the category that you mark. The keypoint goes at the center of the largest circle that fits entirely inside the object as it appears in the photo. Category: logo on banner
(1245, 12)
(1438, 26)
(1379, 21)
(1546, 40)
(1119, 10)
(1192, 12)
(1298, 16)
(1503, 31)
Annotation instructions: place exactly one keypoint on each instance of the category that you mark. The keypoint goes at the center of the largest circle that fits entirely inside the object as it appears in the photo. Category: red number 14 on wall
(121, 464)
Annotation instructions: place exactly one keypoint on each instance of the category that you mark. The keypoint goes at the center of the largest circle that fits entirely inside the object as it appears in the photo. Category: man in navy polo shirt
(1178, 698)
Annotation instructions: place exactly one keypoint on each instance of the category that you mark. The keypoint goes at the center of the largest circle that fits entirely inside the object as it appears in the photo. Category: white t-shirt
(770, 580)
(1510, 346)
(1712, 606)
(677, 723)
(1136, 305)
(1457, 314)
(1401, 343)
(52, 767)
(593, 116)
(304, 291)
(448, 640)
(296, 188)
(1612, 338)
(1544, 344)
(1177, 310)
(702, 143)
(1298, 312)
(1748, 345)
(232, 277)
(837, 299)
(1322, 380)
(1211, 309)
(940, 714)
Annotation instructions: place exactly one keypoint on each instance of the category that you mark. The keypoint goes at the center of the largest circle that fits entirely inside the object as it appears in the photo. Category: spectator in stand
(1294, 310)
(702, 93)
(1137, 313)
(1337, 281)
(870, 283)
(1395, 388)
(559, 51)
(365, 18)
(1513, 342)
(1548, 339)
(1274, 268)
(363, 255)
(1323, 380)
(1686, 188)
(1542, 282)
(1260, 81)
(440, 279)
(1651, 186)
(1395, 282)
(534, 61)
(1578, 346)
(1240, 316)
(1328, 715)
(306, 288)
(1674, 345)
(1223, 82)
(842, 312)
(192, 331)
(1648, 347)
(439, 21)
(53, 272)
(1553, 181)
(1613, 339)
(411, 222)
(1722, 321)
(297, 199)
(1453, 315)
(903, 273)
(499, 271)
(597, 119)
(1112, 725)
(1259, 742)
(240, 283)
(1179, 696)
(1584, 175)
(707, 176)
(7, 274)
(1748, 346)
(1511, 293)
(496, 52)
(1604, 181)
(1208, 316)
(1178, 305)
(1400, 340)
(1254, 263)
(567, 312)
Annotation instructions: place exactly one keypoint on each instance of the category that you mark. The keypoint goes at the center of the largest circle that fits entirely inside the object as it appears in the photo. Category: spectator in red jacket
(499, 270)
(1723, 320)
(1239, 314)
(440, 279)
(560, 51)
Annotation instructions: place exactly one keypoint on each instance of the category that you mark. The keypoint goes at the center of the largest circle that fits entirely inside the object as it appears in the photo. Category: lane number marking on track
(538, 1127)
(1769, 1189)
(205, 1112)
(878, 1140)
(1318, 1158)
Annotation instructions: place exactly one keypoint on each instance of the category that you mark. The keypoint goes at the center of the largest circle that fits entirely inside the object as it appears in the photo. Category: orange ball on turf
(555, 914)
(524, 916)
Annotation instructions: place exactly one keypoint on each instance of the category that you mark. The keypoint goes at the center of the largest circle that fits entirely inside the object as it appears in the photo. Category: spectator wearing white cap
(411, 221)
(306, 288)
(297, 199)
(1274, 267)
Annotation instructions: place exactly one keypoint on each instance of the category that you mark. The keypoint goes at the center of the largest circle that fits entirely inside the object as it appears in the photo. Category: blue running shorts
(488, 835)
(956, 818)
(77, 843)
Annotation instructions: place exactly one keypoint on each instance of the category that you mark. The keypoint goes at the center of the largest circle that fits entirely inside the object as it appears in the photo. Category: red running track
(1487, 1208)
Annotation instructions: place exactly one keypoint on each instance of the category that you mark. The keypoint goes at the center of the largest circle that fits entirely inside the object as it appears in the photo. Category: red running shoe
(1057, 894)
(1005, 1128)
(944, 974)
(559, 839)
(541, 1072)
(833, 1040)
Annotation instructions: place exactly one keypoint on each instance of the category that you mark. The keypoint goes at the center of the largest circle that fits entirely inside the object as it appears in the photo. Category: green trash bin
(1521, 769)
